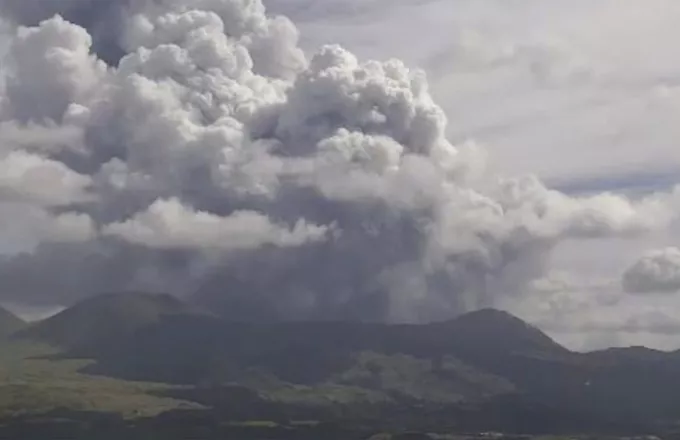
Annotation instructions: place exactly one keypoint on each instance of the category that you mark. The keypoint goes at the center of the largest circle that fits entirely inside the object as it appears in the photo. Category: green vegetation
(446, 381)
(156, 360)
(254, 424)
(31, 383)
(326, 394)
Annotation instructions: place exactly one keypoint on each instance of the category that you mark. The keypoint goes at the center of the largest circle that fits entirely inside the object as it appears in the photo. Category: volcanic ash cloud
(190, 146)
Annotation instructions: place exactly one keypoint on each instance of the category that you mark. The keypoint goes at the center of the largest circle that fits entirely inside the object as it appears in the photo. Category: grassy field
(32, 384)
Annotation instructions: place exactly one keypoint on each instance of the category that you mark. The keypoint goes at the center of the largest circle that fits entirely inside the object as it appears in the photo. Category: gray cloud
(35, 225)
(592, 313)
(53, 62)
(653, 322)
(215, 159)
(32, 313)
(657, 271)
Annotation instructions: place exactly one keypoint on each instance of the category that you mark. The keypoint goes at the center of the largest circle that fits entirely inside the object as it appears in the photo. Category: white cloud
(657, 271)
(532, 80)
(592, 313)
(23, 227)
(26, 177)
(39, 138)
(168, 224)
(52, 68)
(214, 132)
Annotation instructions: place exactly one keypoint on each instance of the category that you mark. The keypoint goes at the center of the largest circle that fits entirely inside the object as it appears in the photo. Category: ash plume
(190, 146)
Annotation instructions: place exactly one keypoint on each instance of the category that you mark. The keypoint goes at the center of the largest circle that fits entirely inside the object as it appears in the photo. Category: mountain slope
(479, 359)
(105, 319)
(448, 361)
(499, 331)
(9, 323)
(306, 363)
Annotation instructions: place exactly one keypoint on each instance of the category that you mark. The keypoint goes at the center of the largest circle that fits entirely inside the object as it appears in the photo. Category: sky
(527, 78)
(518, 154)
(583, 94)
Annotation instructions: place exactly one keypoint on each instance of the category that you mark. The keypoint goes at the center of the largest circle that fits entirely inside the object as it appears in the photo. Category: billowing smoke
(189, 146)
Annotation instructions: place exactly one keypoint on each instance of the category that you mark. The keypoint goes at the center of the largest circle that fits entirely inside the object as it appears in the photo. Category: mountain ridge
(9, 323)
(488, 358)
(105, 318)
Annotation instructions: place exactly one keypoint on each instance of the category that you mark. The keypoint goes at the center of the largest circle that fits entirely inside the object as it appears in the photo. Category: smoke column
(190, 146)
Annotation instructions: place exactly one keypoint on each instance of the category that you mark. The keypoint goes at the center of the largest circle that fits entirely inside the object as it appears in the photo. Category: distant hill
(499, 331)
(489, 360)
(9, 323)
(105, 319)
(151, 337)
